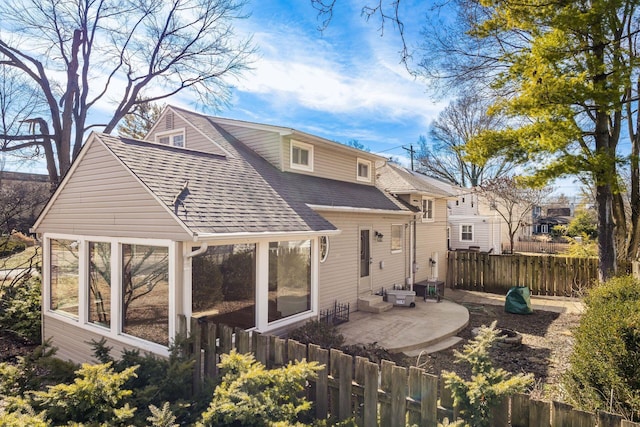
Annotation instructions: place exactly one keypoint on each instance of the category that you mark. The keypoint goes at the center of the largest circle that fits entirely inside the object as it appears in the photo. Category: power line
(412, 153)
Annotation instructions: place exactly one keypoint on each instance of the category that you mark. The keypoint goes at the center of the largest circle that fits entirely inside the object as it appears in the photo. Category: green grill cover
(518, 300)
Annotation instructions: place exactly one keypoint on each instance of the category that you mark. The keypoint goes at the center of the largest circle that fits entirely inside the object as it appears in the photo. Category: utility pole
(412, 153)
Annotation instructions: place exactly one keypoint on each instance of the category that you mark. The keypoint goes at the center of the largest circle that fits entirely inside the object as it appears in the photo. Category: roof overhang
(262, 235)
(348, 209)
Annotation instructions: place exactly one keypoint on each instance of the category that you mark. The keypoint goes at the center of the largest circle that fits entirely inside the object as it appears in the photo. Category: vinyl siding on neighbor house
(101, 198)
(339, 274)
(329, 163)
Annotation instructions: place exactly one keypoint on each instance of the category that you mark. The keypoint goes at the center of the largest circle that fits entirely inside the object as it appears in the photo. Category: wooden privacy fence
(389, 395)
(544, 274)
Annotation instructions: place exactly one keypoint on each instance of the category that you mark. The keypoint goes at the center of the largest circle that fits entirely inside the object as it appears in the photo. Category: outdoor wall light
(378, 235)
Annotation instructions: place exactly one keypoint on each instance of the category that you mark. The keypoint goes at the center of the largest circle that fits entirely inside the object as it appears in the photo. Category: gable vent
(168, 121)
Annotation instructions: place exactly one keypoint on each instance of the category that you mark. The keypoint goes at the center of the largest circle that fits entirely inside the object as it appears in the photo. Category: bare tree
(513, 202)
(445, 158)
(83, 54)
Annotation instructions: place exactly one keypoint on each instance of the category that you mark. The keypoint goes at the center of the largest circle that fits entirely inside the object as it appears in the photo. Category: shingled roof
(399, 180)
(240, 192)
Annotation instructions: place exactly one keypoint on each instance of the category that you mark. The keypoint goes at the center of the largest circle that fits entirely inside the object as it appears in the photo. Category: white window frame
(323, 257)
(303, 146)
(366, 163)
(171, 134)
(397, 250)
(424, 213)
(114, 331)
(462, 232)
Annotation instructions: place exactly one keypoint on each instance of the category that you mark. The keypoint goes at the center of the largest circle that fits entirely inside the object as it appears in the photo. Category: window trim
(401, 249)
(114, 332)
(369, 174)
(432, 217)
(324, 257)
(462, 232)
(171, 133)
(303, 146)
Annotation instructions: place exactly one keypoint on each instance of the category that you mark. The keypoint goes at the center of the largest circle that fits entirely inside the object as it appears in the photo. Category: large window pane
(100, 283)
(224, 285)
(289, 278)
(145, 292)
(64, 276)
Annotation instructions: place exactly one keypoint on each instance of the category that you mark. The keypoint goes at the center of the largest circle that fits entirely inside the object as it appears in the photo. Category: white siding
(330, 162)
(101, 198)
(431, 238)
(73, 342)
(266, 144)
(339, 274)
(194, 139)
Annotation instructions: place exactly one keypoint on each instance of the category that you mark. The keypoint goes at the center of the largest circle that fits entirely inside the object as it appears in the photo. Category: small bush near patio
(476, 398)
(605, 365)
(20, 309)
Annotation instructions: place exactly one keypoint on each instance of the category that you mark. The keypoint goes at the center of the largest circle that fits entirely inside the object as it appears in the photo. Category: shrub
(20, 309)
(251, 395)
(315, 332)
(477, 397)
(605, 364)
(10, 246)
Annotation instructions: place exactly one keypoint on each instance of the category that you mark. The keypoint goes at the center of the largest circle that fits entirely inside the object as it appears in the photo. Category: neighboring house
(467, 227)
(543, 225)
(251, 225)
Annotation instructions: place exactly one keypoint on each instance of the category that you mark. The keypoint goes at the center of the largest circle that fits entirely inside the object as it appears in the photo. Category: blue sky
(344, 83)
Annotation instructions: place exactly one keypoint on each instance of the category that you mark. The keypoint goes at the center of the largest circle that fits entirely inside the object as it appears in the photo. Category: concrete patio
(431, 326)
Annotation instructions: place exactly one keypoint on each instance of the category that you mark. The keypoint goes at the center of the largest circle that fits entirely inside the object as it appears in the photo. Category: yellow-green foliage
(251, 395)
(95, 397)
(605, 365)
(488, 385)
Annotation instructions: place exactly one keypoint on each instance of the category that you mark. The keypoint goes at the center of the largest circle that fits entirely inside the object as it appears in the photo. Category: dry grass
(30, 257)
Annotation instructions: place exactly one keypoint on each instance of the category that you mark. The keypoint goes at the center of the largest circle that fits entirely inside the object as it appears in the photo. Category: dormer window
(175, 138)
(301, 156)
(364, 170)
(427, 210)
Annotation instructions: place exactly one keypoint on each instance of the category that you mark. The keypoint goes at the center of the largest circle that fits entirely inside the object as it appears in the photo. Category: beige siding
(193, 139)
(266, 144)
(72, 341)
(431, 237)
(329, 162)
(338, 275)
(102, 198)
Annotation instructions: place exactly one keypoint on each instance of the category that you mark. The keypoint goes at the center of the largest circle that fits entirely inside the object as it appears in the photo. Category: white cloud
(312, 73)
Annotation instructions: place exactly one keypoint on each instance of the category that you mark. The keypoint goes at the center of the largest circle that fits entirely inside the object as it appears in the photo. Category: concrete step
(435, 347)
(373, 304)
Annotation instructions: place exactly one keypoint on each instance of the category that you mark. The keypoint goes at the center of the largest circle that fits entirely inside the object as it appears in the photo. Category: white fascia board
(348, 209)
(262, 235)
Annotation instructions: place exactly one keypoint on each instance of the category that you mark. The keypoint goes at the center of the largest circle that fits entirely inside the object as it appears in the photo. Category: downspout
(202, 249)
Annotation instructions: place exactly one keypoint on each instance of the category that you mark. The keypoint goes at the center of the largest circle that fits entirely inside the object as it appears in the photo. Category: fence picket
(402, 394)
(543, 274)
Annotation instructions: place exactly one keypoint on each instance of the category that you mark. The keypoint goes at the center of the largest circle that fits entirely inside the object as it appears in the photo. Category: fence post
(539, 413)
(520, 410)
(243, 341)
(605, 419)
(360, 379)
(385, 385)
(279, 351)
(500, 413)
(210, 354)
(262, 349)
(226, 339)
(560, 414)
(321, 389)
(296, 350)
(398, 396)
(196, 334)
(370, 395)
(415, 393)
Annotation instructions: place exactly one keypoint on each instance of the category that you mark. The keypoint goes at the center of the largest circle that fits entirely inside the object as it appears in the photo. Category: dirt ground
(547, 343)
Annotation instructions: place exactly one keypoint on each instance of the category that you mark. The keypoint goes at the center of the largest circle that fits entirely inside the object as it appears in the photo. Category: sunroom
(132, 290)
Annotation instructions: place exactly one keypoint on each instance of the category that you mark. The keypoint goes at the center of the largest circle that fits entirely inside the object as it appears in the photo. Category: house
(255, 226)
(467, 227)
(544, 224)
